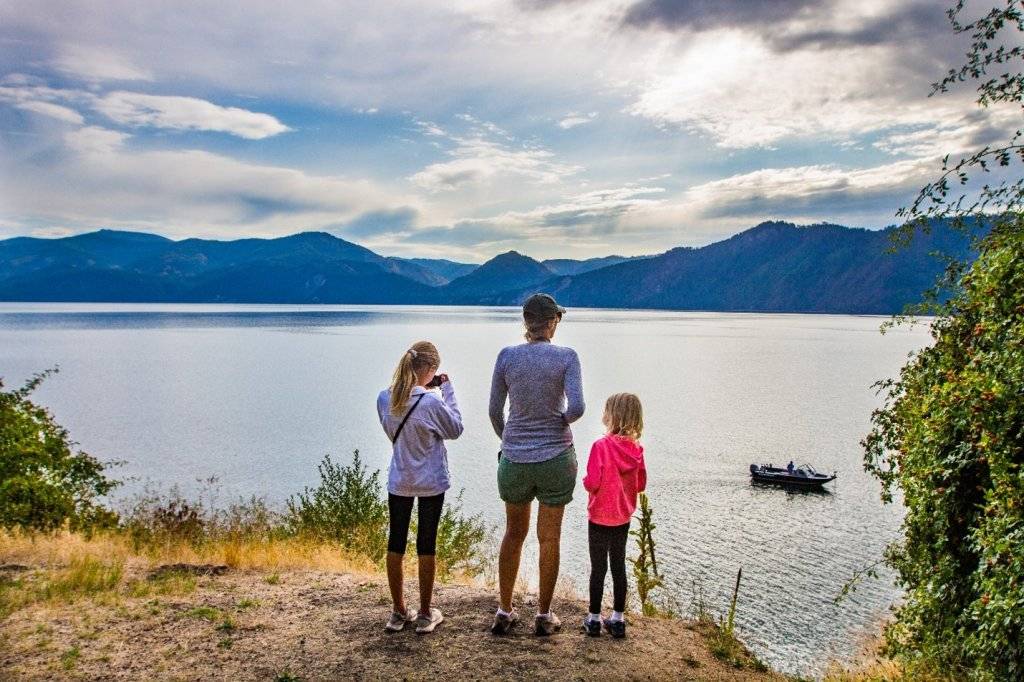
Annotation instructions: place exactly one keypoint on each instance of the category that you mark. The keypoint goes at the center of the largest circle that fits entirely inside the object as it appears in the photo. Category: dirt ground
(250, 625)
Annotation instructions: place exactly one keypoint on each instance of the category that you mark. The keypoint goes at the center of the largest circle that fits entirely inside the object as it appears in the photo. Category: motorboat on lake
(803, 476)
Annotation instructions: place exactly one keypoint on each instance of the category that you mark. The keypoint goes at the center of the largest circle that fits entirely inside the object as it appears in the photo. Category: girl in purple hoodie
(615, 474)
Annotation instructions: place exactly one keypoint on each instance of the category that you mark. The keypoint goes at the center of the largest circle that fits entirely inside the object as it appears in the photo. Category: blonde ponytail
(421, 356)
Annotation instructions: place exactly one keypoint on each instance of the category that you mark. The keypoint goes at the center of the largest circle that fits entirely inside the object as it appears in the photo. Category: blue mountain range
(773, 267)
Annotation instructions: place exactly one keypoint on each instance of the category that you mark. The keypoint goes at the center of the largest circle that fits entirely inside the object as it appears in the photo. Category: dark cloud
(699, 15)
(540, 5)
(909, 22)
(591, 221)
(376, 223)
(257, 207)
(465, 233)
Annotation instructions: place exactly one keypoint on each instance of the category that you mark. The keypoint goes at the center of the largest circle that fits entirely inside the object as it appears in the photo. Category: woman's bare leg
(549, 535)
(517, 525)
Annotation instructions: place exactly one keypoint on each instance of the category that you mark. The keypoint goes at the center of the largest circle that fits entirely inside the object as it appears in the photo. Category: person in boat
(789, 467)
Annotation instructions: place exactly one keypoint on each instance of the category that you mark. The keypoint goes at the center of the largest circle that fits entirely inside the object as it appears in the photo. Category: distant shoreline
(426, 307)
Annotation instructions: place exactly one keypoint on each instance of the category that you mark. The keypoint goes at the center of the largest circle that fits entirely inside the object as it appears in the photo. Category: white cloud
(573, 119)
(23, 93)
(431, 129)
(96, 64)
(61, 113)
(955, 136)
(138, 109)
(477, 161)
(186, 113)
(589, 220)
(182, 193)
(589, 208)
(804, 190)
(94, 140)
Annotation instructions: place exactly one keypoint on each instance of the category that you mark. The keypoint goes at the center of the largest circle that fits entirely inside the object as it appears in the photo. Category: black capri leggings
(399, 514)
(607, 542)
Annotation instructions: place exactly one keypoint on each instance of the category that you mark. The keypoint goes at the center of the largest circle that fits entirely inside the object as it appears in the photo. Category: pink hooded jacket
(615, 474)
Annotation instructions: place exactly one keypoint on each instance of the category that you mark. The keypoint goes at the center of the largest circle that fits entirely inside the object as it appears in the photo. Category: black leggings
(399, 514)
(607, 542)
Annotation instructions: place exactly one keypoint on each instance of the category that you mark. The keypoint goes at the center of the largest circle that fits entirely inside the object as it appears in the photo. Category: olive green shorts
(550, 482)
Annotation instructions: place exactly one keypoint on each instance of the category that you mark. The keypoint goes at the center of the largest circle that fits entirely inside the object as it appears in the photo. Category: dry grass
(61, 568)
(60, 549)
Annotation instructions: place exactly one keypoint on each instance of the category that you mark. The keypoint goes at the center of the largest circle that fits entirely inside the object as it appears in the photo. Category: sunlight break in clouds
(732, 87)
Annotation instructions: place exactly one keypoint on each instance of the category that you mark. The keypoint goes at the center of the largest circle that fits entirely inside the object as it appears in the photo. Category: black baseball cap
(542, 307)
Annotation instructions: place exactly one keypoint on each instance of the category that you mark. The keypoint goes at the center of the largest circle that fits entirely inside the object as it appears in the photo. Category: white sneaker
(398, 620)
(503, 623)
(546, 625)
(427, 623)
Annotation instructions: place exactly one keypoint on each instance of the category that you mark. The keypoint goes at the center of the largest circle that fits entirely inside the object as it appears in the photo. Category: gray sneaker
(546, 625)
(427, 622)
(503, 624)
(397, 621)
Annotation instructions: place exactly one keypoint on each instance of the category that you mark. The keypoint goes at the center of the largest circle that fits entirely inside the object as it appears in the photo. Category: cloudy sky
(466, 128)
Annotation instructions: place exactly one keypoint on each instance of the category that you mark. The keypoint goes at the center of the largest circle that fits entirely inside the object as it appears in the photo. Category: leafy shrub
(44, 483)
(951, 438)
(461, 541)
(346, 508)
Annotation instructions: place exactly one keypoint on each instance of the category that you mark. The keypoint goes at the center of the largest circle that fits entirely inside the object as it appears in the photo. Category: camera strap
(407, 415)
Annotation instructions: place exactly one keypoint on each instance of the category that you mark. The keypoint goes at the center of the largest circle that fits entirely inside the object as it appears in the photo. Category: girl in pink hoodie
(615, 474)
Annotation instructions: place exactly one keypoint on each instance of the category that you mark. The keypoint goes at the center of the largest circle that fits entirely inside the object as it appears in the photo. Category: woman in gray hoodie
(543, 386)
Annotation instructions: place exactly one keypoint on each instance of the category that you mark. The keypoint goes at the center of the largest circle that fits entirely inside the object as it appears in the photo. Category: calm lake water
(256, 395)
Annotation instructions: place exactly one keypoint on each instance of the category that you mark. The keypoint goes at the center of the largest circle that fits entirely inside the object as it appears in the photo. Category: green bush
(346, 508)
(44, 482)
(461, 541)
(951, 438)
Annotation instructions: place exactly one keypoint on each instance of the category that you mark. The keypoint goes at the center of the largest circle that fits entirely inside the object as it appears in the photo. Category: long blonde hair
(421, 356)
(624, 415)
